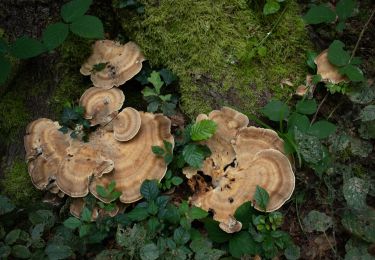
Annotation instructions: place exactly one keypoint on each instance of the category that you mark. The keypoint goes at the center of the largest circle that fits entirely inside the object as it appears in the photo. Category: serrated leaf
(43, 216)
(244, 214)
(54, 35)
(194, 154)
(317, 221)
(310, 59)
(368, 113)
(157, 150)
(168, 76)
(197, 213)
(337, 55)
(149, 252)
(345, 8)
(21, 251)
(181, 236)
(271, 7)
(322, 129)
(6, 205)
(86, 215)
(26, 47)
(75, 9)
(12, 236)
(319, 14)
(307, 106)
(203, 130)
(5, 69)
(156, 81)
(88, 26)
(84, 230)
(215, 233)
(54, 251)
(355, 191)
(72, 223)
(138, 214)
(261, 198)
(149, 189)
(153, 106)
(276, 110)
(354, 73)
(242, 244)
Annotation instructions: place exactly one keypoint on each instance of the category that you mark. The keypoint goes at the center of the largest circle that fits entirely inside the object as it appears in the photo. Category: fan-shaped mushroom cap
(122, 62)
(269, 169)
(45, 148)
(126, 124)
(134, 159)
(78, 168)
(101, 105)
(326, 70)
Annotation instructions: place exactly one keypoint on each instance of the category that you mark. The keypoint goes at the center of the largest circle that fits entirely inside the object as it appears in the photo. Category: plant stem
(299, 219)
(334, 109)
(330, 244)
(361, 34)
(317, 111)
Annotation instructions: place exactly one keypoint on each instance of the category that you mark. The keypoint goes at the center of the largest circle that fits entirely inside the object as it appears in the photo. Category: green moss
(17, 185)
(210, 45)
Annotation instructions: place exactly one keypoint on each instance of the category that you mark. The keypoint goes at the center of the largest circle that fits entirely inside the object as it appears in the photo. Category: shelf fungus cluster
(242, 158)
(118, 150)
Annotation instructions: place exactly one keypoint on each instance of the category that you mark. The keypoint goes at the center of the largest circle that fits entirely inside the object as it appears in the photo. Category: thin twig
(334, 110)
(299, 220)
(330, 244)
(317, 111)
(361, 34)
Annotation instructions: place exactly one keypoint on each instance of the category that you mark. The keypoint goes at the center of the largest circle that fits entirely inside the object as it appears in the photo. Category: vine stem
(317, 111)
(362, 33)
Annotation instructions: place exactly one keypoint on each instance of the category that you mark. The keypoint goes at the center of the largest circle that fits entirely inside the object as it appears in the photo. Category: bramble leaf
(337, 55)
(75, 9)
(203, 130)
(261, 198)
(54, 35)
(26, 47)
(88, 26)
(149, 189)
(319, 14)
(194, 154)
(156, 81)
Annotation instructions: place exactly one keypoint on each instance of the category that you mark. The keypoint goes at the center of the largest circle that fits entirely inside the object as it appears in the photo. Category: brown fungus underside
(242, 158)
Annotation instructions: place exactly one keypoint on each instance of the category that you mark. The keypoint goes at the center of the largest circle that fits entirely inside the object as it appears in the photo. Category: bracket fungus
(242, 158)
(126, 124)
(101, 105)
(328, 71)
(120, 63)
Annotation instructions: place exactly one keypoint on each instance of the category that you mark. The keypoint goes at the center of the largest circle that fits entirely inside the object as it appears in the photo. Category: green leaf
(306, 106)
(319, 14)
(84, 230)
(360, 147)
(194, 154)
(355, 191)
(261, 198)
(152, 208)
(244, 214)
(138, 214)
(12, 236)
(310, 59)
(5, 69)
(157, 150)
(26, 47)
(156, 81)
(292, 252)
(215, 233)
(203, 130)
(177, 180)
(86, 215)
(3, 46)
(6, 205)
(197, 213)
(54, 251)
(276, 110)
(309, 146)
(72, 223)
(262, 51)
(271, 7)
(354, 73)
(149, 189)
(302, 122)
(21, 251)
(4, 251)
(37, 231)
(368, 113)
(168, 76)
(102, 191)
(88, 26)
(153, 225)
(322, 129)
(317, 221)
(153, 106)
(54, 35)
(43, 216)
(181, 236)
(149, 252)
(345, 8)
(242, 244)
(362, 95)
(337, 55)
(340, 26)
(74, 10)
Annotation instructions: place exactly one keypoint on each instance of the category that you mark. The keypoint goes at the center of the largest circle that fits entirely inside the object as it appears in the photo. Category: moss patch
(211, 46)
(17, 185)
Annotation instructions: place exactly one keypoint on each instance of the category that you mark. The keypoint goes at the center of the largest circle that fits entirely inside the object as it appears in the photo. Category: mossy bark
(217, 50)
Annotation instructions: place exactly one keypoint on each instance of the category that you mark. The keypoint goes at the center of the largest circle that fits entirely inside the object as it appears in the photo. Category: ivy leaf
(54, 251)
(194, 154)
(181, 236)
(88, 26)
(355, 191)
(261, 198)
(72, 223)
(68, 115)
(242, 244)
(6, 205)
(21, 251)
(322, 129)
(337, 55)
(149, 189)
(345, 8)
(75, 9)
(319, 14)
(368, 113)
(317, 221)
(26, 47)
(156, 81)
(307, 106)
(5, 68)
(203, 130)
(276, 110)
(354, 73)
(54, 35)
(149, 252)
(271, 7)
